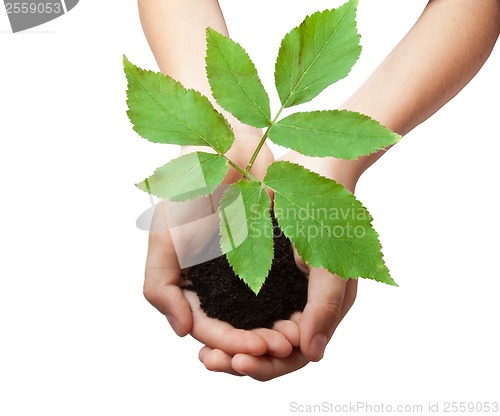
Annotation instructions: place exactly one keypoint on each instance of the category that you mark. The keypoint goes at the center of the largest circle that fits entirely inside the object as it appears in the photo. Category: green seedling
(329, 227)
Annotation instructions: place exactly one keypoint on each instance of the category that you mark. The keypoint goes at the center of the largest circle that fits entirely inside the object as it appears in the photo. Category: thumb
(162, 278)
(322, 313)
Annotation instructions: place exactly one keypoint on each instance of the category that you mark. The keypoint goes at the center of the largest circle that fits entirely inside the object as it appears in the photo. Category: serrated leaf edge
(138, 184)
(390, 282)
(396, 137)
(217, 97)
(355, 3)
(262, 189)
(197, 94)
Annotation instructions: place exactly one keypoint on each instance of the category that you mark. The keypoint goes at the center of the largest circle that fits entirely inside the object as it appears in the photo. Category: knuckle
(150, 294)
(210, 365)
(333, 308)
(155, 299)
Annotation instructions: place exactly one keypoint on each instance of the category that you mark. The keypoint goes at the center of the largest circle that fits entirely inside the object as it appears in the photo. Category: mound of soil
(224, 296)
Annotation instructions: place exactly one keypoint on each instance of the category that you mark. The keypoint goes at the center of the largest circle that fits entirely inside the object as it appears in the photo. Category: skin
(441, 53)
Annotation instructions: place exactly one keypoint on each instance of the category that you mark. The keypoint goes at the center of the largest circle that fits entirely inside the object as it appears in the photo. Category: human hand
(181, 307)
(329, 299)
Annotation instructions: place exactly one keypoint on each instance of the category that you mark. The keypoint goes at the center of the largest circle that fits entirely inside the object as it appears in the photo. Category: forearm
(442, 52)
(175, 30)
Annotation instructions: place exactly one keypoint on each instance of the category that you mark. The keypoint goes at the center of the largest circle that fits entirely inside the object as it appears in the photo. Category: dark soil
(225, 296)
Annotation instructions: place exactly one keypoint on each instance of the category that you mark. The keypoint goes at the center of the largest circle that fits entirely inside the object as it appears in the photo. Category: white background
(76, 335)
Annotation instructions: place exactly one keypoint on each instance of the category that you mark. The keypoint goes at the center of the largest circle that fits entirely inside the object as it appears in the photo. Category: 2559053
(31, 7)
(470, 407)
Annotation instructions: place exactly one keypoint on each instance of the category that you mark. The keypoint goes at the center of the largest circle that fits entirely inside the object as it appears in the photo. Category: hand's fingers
(266, 367)
(162, 278)
(203, 352)
(221, 335)
(260, 368)
(322, 313)
(290, 330)
(217, 360)
(278, 344)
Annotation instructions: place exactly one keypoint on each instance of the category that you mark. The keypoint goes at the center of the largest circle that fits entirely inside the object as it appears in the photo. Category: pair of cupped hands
(261, 353)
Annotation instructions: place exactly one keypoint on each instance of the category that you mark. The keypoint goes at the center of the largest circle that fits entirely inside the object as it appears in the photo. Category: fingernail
(173, 323)
(243, 373)
(318, 345)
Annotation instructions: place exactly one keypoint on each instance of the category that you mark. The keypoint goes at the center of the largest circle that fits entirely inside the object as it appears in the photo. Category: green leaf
(338, 133)
(234, 81)
(163, 111)
(327, 224)
(319, 52)
(187, 177)
(247, 231)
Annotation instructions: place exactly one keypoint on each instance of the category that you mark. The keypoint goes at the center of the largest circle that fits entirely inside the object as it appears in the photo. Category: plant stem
(234, 165)
(262, 141)
(245, 173)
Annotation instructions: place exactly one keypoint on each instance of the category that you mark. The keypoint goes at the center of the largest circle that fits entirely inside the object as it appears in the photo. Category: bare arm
(438, 57)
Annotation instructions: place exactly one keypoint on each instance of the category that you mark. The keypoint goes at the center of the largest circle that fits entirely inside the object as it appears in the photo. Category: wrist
(346, 172)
